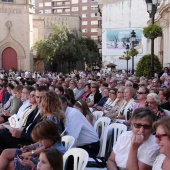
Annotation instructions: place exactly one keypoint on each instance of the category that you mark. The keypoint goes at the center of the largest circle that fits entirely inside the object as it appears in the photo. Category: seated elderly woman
(162, 127)
(153, 101)
(118, 102)
(111, 100)
(126, 108)
(135, 149)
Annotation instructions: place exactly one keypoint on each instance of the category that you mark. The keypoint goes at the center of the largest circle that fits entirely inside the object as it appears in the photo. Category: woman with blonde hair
(51, 108)
(126, 109)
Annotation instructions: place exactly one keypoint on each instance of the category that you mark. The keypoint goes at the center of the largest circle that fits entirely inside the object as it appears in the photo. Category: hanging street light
(151, 9)
(133, 39)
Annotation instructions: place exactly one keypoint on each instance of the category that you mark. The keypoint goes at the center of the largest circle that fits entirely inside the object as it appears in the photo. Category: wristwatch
(32, 152)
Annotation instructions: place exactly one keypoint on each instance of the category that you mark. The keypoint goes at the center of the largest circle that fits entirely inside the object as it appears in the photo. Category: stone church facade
(20, 28)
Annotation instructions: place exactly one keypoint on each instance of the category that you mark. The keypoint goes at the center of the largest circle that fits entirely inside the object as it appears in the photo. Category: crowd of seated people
(68, 101)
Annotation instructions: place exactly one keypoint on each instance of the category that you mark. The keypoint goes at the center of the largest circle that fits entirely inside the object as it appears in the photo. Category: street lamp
(151, 9)
(133, 39)
(127, 51)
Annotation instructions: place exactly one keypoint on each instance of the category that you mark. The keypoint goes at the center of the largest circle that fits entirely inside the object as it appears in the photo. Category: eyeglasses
(119, 92)
(92, 87)
(159, 136)
(141, 84)
(140, 92)
(138, 126)
(150, 102)
(112, 92)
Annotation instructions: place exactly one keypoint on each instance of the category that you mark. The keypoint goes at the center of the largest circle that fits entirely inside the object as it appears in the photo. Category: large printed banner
(116, 40)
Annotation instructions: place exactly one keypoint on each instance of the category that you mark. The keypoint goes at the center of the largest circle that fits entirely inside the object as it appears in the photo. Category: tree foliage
(67, 46)
(152, 30)
(127, 58)
(133, 52)
(143, 66)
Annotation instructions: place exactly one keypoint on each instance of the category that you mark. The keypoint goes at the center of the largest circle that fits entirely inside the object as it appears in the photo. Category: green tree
(143, 66)
(67, 46)
(49, 48)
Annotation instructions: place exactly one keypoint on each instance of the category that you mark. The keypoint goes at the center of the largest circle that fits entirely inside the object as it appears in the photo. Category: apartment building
(87, 10)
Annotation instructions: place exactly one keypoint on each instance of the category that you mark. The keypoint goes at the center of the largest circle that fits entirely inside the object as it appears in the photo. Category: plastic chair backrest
(62, 134)
(100, 126)
(97, 114)
(80, 157)
(91, 109)
(118, 130)
(167, 112)
(68, 141)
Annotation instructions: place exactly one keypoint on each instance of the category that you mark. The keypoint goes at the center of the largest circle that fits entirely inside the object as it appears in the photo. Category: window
(94, 22)
(47, 3)
(84, 15)
(59, 10)
(84, 8)
(93, 14)
(94, 7)
(40, 4)
(84, 22)
(94, 30)
(84, 1)
(40, 11)
(94, 37)
(48, 11)
(7, 0)
(75, 8)
(84, 30)
(74, 1)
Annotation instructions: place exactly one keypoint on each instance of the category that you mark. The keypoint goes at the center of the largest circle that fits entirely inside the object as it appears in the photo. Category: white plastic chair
(97, 114)
(68, 141)
(80, 158)
(167, 112)
(100, 125)
(62, 134)
(118, 130)
(91, 109)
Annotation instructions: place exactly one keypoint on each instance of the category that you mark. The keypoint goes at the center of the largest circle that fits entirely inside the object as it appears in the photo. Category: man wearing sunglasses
(136, 149)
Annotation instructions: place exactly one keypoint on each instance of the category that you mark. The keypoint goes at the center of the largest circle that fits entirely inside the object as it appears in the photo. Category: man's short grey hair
(155, 97)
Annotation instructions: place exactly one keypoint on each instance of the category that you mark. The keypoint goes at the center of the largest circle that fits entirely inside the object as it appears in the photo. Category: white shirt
(158, 162)
(22, 108)
(79, 127)
(147, 152)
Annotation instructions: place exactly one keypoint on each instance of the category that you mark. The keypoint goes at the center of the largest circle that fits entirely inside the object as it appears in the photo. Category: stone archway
(9, 59)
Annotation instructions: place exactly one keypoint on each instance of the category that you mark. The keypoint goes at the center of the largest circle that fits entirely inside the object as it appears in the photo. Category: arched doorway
(9, 59)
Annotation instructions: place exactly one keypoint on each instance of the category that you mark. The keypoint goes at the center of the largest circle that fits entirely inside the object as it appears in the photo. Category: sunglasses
(141, 84)
(159, 136)
(138, 126)
(140, 93)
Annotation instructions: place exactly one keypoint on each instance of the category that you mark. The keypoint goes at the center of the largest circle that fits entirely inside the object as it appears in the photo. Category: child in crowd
(46, 135)
(50, 159)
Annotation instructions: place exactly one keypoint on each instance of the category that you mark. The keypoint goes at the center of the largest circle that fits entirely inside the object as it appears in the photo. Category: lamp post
(127, 51)
(151, 9)
(133, 39)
